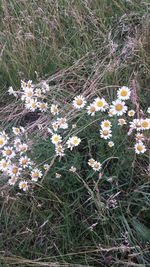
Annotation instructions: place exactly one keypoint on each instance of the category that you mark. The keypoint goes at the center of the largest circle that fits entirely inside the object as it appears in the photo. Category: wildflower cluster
(64, 137)
(14, 161)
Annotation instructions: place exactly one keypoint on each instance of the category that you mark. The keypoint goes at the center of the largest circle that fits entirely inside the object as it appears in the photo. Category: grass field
(88, 47)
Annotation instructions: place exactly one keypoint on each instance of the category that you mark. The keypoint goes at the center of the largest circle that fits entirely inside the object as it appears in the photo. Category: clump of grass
(77, 218)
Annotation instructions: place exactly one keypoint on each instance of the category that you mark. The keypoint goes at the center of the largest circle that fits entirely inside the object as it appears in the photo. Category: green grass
(77, 46)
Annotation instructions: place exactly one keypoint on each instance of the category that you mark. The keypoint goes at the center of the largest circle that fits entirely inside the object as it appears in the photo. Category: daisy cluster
(64, 137)
(14, 161)
(119, 109)
(33, 97)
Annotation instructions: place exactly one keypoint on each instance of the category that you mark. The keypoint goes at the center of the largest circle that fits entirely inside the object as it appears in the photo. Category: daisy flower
(139, 137)
(42, 106)
(123, 93)
(29, 84)
(121, 122)
(16, 130)
(73, 141)
(54, 109)
(38, 92)
(28, 94)
(14, 170)
(23, 148)
(12, 180)
(139, 148)
(100, 104)
(36, 174)
(136, 124)
(24, 161)
(59, 150)
(57, 175)
(56, 138)
(105, 134)
(62, 122)
(111, 112)
(91, 162)
(118, 107)
(17, 143)
(96, 166)
(79, 102)
(45, 86)
(131, 113)
(23, 185)
(12, 92)
(8, 152)
(111, 144)
(106, 124)
(55, 126)
(4, 164)
(91, 110)
(3, 141)
(72, 169)
(32, 104)
(145, 124)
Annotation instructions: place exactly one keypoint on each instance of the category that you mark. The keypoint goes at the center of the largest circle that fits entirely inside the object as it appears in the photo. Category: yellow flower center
(1, 141)
(4, 164)
(124, 93)
(105, 132)
(8, 152)
(91, 161)
(99, 103)
(23, 185)
(14, 170)
(96, 165)
(33, 105)
(56, 139)
(79, 102)
(139, 148)
(35, 174)
(92, 109)
(42, 106)
(75, 141)
(106, 124)
(144, 124)
(24, 161)
(118, 107)
(29, 94)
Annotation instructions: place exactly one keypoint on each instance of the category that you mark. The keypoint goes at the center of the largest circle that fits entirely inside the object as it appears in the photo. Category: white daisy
(62, 122)
(73, 142)
(105, 134)
(148, 110)
(139, 148)
(4, 164)
(100, 104)
(14, 170)
(36, 174)
(23, 185)
(121, 122)
(79, 102)
(91, 162)
(38, 92)
(42, 106)
(91, 110)
(28, 94)
(118, 107)
(8, 152)
(131, 113)
(145, 124)
(32, 104)
(123, 93)
(111, 144)
(136, 124)
(59, 150)
(55, 126)
(54, 109)
(12, 180)
(25, 161)
(139, 137)
(106, 124)
(23, 148)
(96, 166)
(3, 141)
(56, 138)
